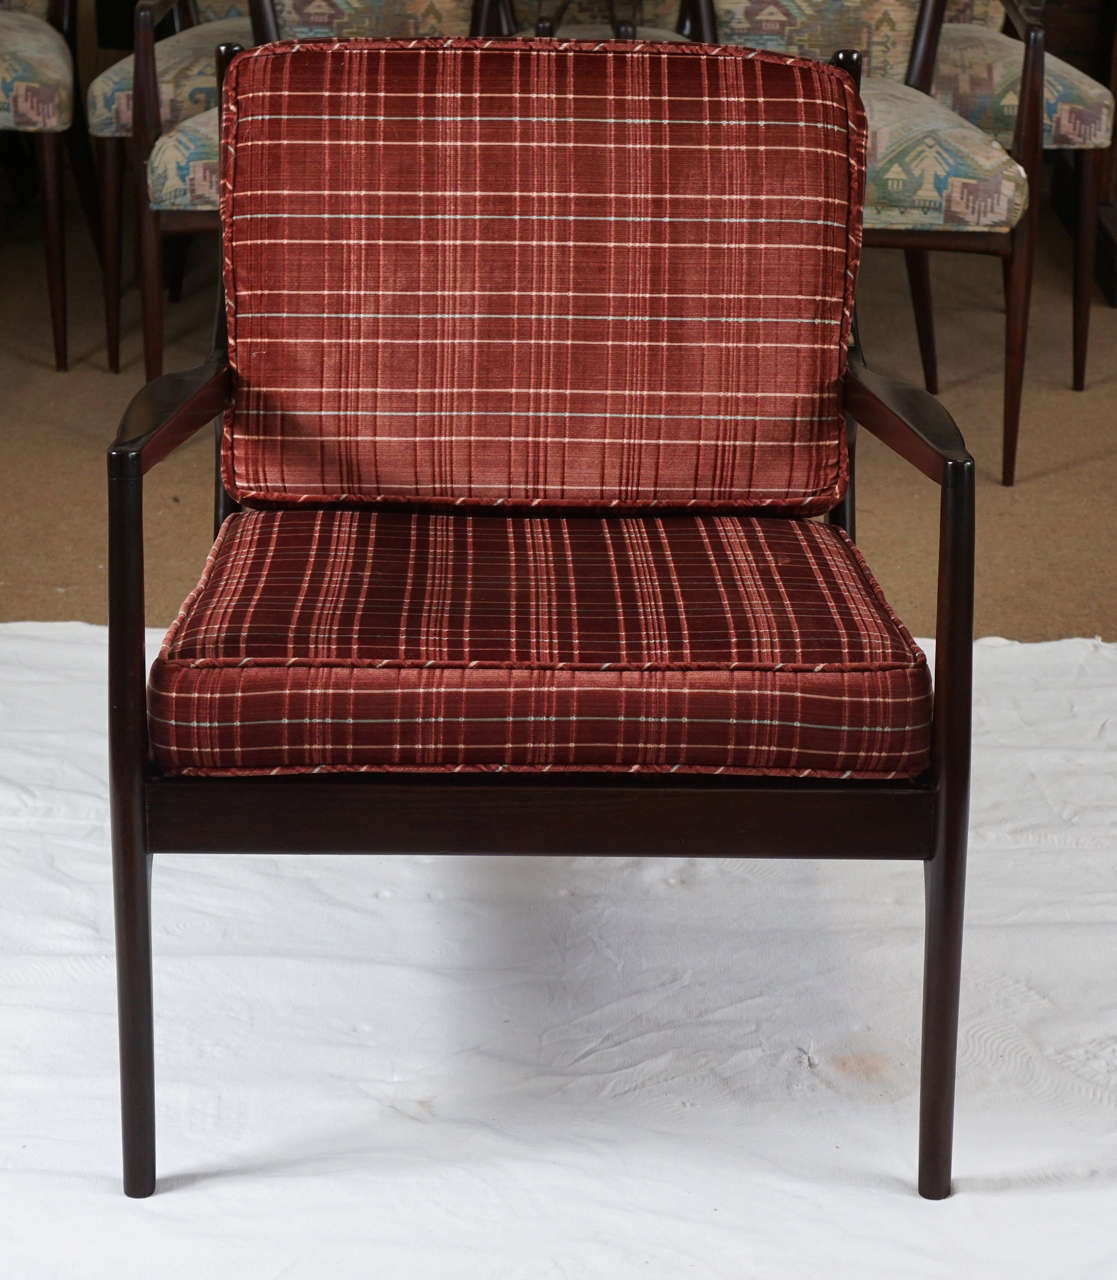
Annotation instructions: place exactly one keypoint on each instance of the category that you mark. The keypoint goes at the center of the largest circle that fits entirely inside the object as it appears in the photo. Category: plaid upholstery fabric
(535, 272)
(358, 639)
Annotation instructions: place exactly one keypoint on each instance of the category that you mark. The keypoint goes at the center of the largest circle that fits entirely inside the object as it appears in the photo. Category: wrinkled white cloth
(569, 1067)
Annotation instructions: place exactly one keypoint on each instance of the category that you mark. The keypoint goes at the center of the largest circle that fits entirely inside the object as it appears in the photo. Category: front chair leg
(1085, 244)
(942, 968)
(132, 891)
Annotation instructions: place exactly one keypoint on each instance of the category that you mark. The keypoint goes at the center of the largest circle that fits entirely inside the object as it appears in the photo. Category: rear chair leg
(1085, 243)
(917, 262)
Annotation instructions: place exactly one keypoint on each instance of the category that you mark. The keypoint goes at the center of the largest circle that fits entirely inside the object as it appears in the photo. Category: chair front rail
(608, 815)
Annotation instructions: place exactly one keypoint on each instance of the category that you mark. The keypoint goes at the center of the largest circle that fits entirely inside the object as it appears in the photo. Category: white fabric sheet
(572, 1067)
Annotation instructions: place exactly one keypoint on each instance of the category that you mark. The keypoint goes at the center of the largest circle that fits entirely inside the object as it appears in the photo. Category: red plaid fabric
(410, 640)
(539, 272)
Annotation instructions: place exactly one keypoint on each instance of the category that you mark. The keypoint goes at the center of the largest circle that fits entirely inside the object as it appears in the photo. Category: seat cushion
(36, 8)
(183, 170)
(36, 75)
(977, 75)
(343, 640)
(185, 67)
(927, 168)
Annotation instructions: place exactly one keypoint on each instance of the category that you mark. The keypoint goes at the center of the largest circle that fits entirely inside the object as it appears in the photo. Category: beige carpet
(1045, 547)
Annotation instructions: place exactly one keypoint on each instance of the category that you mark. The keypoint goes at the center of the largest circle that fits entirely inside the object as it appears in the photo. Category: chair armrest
(1023, 14)
(166, 413)
(909, 420)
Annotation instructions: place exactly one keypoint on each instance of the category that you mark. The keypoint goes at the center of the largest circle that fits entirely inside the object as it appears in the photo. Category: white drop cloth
(435, 1067)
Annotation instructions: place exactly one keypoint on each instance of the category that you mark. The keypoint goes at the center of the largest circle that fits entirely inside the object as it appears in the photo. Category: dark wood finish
(925, 45)
(48, 156)
(1084, 32)
(917, 262)
(110, 170)
(1085, 246)
(439, 813)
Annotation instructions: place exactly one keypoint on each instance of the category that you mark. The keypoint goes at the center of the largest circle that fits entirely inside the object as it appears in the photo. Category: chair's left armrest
(167, 412)
(907, 419)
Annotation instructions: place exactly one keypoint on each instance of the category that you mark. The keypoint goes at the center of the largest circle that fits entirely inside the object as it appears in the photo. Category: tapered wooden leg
(1018, 294)
(151, 286)
(917, 262)
(945, 878)
(1085, 244)
(174, 255)
(132, 886)
(110, 178)
(84, 171)
(48, 148)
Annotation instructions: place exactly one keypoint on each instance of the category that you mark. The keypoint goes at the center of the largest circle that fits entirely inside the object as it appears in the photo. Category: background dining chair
(529, 400)
(179, 165)
(37, 98)
(935, 181)
(978, 76)
(182, 70)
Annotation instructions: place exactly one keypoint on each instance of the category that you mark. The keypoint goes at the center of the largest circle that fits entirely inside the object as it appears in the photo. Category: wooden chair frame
(922, 820)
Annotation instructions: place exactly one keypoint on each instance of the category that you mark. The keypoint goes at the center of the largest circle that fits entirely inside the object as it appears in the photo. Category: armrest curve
(168, 412)
(1023, 15)
(911, 421)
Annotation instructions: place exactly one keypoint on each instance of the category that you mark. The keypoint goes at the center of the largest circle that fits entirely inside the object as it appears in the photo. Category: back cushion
(531, 272)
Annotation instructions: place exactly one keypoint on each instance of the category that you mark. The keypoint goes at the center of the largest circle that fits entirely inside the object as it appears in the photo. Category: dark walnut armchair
(532, 391)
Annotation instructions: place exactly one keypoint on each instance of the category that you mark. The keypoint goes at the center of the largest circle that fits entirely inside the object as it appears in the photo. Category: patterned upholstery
(186, 72)
(977, 75)
(927, 168)
(36, 75)
(314, 19)
(220, 9)
(182, 170)
(638, 315)
(986, 13)
(396, 640)
(35, 8)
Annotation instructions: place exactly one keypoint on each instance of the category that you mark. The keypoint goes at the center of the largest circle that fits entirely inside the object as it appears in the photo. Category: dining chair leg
(918, 265)
(944, 878)
(174, 254)
(151, 286)
(48, 149)
(1018, 293)
(1085, 244)
(132, 887)
(110, 177)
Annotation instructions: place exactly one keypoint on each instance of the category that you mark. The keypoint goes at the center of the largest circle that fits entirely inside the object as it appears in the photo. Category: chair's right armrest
(167, 412)
(911, 421)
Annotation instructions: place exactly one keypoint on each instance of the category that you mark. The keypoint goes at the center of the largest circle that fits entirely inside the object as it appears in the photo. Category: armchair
(526, 411)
